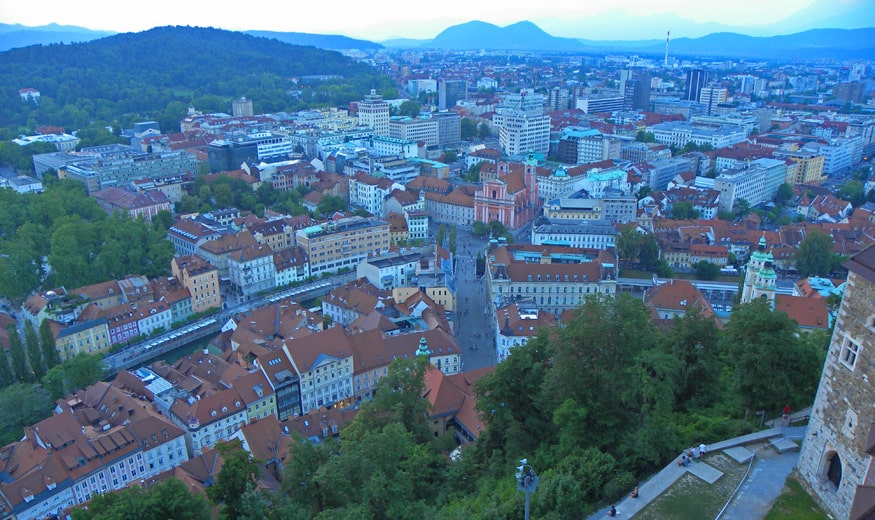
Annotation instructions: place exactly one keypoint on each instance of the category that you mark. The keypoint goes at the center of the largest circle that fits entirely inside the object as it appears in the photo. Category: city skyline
(381, 20)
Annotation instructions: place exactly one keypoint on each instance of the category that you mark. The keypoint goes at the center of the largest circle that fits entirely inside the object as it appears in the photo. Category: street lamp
(527, 481)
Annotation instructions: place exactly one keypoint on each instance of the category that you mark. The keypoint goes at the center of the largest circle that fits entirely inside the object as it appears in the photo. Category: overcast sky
(382, 19)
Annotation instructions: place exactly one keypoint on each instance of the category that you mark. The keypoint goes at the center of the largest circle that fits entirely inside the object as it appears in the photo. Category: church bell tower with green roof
(760, 277)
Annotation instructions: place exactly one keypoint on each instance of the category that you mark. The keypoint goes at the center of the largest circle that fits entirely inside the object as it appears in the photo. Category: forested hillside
(157, 74)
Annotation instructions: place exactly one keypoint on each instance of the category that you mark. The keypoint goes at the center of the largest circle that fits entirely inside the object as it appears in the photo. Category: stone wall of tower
(843, 409)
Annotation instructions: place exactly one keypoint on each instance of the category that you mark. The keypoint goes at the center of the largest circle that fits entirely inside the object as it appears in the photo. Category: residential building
(201, 279)
(290, 265)
(455, 207)
(369, 192)
(217, 251)
(389, 271)
(187, 235)
(515, 324)
(209, 418)
(675, 298)
(343, 243)
(349, 302)
(90, 336)
(712, 96)
(586, 145)
(324, 365)
(613, 207)
(251, 271)
(757, 183)
(417, 224)
(836, 461)
(809, 166)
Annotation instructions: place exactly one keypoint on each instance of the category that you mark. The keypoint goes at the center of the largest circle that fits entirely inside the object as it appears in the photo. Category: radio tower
(667, 38)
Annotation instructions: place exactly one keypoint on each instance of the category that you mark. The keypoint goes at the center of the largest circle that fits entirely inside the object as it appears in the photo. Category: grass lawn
(795, 503)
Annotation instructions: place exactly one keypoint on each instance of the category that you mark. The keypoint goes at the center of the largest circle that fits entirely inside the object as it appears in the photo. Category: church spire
(423, 347)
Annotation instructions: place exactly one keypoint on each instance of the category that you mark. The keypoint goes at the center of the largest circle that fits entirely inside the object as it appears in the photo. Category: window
(848, 355)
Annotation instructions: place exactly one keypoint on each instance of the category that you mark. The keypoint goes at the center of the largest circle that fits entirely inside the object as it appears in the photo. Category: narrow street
(474, 330)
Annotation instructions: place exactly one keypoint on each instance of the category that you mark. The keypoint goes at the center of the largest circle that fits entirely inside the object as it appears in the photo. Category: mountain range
(526, 36)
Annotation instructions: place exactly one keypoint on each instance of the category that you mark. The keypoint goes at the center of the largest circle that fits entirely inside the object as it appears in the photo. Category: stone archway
(833, 469)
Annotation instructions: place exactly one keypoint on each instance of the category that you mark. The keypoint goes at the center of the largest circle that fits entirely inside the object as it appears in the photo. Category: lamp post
(527, 481)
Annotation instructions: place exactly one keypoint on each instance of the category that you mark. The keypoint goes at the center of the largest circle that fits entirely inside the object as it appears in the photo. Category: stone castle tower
(760, 277)
(836, 462)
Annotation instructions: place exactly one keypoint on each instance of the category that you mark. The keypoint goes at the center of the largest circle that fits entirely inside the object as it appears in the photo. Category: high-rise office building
(695, 82)
(636, 92)
(373, 113)
(451, 91)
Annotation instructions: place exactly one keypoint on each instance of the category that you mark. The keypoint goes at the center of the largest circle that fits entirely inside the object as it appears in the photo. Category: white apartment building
(369, 192)
(757, 183)
(324, 364)
(251, 270)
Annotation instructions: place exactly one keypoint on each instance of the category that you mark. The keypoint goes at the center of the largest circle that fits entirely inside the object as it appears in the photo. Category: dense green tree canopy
(82, 244)
(168, 499)
(814, 255)
(157, 74)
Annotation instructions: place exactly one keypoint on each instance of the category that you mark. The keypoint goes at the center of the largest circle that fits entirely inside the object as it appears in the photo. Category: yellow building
(809, 166)
(201, 279)
(90, 337)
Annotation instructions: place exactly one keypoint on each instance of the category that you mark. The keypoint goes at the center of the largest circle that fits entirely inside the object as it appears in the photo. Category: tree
(441, 235)
(771, 366)
(73, 374)
(706, 270)
(409, 108)
(483, 131)
(223, 195)
(167, 499)
(237, 476)
(853, 192)
(645, 137)
(663, 270)
(453, 240)
(628, 243)
(648, 252)
(785, 193)
(22, 405)
(741, 208)
(469, 129)
(683, 210)
(34, 354)
(473, 174)
(450, 156)
(814, 255)
(330, 204)
(17, 355)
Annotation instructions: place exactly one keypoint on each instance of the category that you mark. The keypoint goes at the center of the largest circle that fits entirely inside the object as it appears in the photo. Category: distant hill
(519, 36)
(16, 35)
(160, 72)
(813, 44)
(321, 41)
